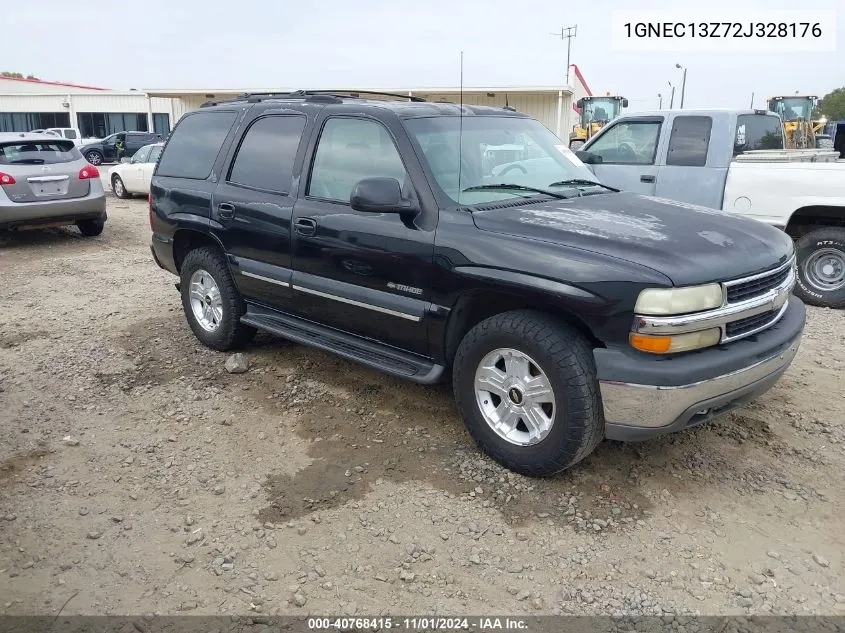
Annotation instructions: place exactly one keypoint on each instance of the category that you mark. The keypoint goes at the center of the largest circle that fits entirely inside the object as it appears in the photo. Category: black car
(384, 231)
(105, 150)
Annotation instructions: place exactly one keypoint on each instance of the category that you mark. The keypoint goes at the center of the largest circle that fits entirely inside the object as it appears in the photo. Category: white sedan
(133, 175)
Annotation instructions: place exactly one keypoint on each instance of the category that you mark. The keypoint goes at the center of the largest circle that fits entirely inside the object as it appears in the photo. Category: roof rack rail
(357, 93)
(322, 96)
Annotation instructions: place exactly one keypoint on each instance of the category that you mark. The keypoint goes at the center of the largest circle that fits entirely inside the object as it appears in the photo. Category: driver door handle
(305, 226)
(226, 210)
(646, 178)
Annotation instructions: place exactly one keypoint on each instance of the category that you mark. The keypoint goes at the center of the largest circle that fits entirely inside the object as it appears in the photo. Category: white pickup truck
(734, 160)
(69, 133)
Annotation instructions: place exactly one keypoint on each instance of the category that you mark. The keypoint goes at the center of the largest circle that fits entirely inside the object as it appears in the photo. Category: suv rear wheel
(211, 301)
(95, 158)
(526, 387)
(821, 267)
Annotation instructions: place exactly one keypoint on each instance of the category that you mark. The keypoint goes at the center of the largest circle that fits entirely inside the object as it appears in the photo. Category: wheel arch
(476, 305)
(188, 239)
(808, 218)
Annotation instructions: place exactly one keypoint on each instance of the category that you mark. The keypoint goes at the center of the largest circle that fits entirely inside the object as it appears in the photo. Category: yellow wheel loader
(596, 112)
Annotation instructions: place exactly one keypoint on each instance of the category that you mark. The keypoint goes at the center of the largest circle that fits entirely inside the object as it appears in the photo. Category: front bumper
(647, 395)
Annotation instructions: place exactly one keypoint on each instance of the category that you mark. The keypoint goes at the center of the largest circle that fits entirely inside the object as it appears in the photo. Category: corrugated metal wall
(87, 102)
(541, 105)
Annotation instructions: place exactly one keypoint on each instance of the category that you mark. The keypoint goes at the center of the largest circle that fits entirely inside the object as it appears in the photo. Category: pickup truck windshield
(496, 151)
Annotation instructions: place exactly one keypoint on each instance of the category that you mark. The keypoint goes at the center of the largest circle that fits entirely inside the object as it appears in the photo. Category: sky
(397, 44)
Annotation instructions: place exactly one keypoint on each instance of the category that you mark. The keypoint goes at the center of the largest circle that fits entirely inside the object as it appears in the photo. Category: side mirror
(379, 195)
(624, 103)
(125, 159)
(588, 158)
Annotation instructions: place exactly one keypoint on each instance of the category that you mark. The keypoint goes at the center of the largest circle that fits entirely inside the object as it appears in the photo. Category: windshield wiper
(582, 182)
(503, 186)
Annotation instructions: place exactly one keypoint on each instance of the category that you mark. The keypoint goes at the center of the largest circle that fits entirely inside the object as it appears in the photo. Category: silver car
(45, 181)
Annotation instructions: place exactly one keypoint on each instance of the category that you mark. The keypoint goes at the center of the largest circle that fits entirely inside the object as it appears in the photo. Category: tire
(557, 351)
(820, 258)
(225, 331)
(95, 158)
(91, 228)
(119, 188)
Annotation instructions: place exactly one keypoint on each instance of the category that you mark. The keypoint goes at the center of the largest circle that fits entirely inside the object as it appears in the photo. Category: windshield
(795, 109)
(601, 110)
(493, 151)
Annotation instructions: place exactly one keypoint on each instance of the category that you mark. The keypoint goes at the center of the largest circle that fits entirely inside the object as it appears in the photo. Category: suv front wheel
(527, 390)
(211, 301)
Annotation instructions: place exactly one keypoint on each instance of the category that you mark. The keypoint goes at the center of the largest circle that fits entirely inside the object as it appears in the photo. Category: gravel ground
(137, 475)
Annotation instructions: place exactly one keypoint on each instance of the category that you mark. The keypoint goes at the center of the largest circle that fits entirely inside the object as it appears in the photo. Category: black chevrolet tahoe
(442, 242)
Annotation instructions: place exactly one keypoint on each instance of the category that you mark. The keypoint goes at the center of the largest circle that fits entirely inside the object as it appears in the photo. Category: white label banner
(724, 30)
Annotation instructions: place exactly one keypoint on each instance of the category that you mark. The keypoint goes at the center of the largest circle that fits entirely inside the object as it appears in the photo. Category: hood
(687, 243)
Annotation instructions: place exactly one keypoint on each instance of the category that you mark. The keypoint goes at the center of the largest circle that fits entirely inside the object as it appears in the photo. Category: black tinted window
(689, 141)
(757, 131)
(265, 157)
(194, 145)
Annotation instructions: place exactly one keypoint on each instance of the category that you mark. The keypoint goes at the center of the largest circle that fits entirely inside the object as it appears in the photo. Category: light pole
(683, 83)
(672, 95)
(660, 103)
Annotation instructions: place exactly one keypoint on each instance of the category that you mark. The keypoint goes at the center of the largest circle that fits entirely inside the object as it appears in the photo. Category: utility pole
(672, 97)
(752, 101)
(660, 104)
(683, 83)
(567, 33)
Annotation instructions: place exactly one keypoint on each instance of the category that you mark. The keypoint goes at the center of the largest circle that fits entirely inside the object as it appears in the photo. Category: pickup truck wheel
(526, 386)
(211, 301)
(90, 228)
(118, 188)
(821, 267)
(95, 158)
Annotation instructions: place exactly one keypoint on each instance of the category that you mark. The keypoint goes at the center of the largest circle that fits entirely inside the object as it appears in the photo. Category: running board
(366, 352)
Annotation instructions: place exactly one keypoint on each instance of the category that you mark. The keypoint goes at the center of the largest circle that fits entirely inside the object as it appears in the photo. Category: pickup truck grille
(744, 290)
(750, 324)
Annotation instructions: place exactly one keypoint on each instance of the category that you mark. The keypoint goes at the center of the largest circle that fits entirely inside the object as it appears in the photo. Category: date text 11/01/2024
(425, 623)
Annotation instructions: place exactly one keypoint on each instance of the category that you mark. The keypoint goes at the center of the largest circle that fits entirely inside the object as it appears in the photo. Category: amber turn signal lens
(653, 344)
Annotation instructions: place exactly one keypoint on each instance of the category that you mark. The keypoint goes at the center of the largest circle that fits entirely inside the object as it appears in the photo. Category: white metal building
(27, 104)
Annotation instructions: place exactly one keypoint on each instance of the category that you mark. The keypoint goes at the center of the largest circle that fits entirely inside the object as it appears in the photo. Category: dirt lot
(138, 476)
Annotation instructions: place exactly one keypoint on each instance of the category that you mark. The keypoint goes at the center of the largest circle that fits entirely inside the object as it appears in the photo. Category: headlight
(666, 301)
(676, 343)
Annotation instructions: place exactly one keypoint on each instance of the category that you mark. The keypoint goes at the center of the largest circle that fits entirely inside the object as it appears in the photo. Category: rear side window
(757, 131)
(194, 145)
(267, 152)
(689, 141)
(38, 153)
(70, 133)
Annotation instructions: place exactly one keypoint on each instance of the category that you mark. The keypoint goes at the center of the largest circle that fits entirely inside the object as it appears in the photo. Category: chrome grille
(745, 290)
(750, 324)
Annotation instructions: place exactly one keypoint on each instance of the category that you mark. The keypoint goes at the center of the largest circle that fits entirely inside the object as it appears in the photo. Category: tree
(6, 73)
(833, 105)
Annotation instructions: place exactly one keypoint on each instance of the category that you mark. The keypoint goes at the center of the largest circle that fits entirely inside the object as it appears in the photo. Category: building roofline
(164, 92)
(52, 83)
